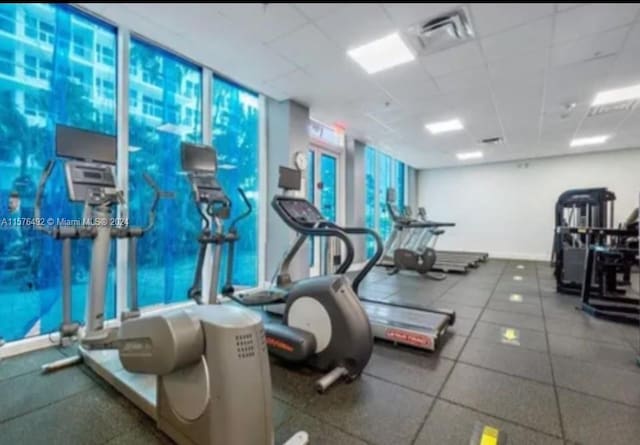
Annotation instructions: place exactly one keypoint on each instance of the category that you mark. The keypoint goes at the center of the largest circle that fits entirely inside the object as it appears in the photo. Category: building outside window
(49, 87)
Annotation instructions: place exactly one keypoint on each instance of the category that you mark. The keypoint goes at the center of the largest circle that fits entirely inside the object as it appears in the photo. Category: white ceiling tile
(491, 18)
(461, 80)
(407, 83)
(601, 124)
(625, 70)
(292, 85)
(356, 24)
(595, 45)
(526, 38)
(307, 46)
(265, 21)
(264, 64)
(316, 10)
(565, 6)
(633, 40)
(406, 14)
(467, 55)
(595, 17)
(519, 68)
(577, 82)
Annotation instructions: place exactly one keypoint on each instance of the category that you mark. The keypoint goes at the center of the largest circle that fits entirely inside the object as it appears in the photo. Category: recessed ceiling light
(469, 155)
(444, 126)
(382, 54)
(617, 95)
(593, 140)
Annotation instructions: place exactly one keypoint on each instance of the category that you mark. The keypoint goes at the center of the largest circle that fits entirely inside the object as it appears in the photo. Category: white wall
(506, 209)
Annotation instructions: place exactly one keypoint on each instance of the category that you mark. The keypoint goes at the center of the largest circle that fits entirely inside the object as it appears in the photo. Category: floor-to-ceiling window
(57, 66)
(382, 172)
(235, 137)
(165, 108)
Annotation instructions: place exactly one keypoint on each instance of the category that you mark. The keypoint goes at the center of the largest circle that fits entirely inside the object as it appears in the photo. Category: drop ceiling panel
(490, 18)
(315, 11)
(356, 24)
(459, 58)
(296, 45)
(265, 23)
(529, 37)
(601, 124)
(625, 70)
(520, 68)
(406, 14)
(592, 46)
(407, 83)
(461, 80)
(595, 17)
(578, 82)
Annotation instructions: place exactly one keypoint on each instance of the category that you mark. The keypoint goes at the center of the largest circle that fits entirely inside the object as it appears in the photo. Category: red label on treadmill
(279, 344)
(409, 338)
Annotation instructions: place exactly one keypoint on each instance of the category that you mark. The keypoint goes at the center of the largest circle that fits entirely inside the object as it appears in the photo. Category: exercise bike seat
(289, 343)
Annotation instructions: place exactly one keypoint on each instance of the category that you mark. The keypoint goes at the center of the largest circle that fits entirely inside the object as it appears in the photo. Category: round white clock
(300, 160)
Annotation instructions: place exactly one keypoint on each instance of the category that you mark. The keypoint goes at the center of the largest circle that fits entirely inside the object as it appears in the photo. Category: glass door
(323, 192)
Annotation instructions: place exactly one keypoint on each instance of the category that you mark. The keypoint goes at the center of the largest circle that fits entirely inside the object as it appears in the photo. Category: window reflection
(44, 82)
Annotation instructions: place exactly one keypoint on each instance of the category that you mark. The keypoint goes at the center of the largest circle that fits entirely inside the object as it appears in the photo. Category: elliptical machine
(201, 373)
(324, 325)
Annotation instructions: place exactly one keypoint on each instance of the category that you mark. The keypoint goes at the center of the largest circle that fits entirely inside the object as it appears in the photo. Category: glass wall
(165, 108)
(56, 67)
(381, 172)
(235, 136)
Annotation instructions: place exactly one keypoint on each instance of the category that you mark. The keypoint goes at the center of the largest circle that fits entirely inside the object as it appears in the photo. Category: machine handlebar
(48, 168)
(158, 194)
(244, 214)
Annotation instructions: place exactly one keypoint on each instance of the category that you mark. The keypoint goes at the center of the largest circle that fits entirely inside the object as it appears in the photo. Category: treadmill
(454, 255)
(409, 325)
(412, 234)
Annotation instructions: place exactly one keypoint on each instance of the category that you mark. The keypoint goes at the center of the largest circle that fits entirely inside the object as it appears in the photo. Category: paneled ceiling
(515, 79)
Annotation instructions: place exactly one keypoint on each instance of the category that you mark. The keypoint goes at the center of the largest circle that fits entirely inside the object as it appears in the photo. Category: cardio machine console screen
(89, 181)
(301, 211)
(208, 189)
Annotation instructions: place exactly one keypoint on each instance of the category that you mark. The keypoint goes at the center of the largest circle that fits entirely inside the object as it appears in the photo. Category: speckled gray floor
(530, 364)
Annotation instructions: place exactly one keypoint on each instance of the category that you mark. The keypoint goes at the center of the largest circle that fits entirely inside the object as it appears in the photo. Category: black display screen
(198, 158)
(92, 175)
(85, 145)
(301, 210)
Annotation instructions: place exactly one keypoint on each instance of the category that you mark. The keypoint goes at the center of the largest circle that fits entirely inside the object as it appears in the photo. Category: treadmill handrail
(344, 266)
(373, 260)
(317, 230)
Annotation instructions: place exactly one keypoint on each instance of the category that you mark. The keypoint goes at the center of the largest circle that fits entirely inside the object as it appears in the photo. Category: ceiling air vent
(492, 141)
(442, 32)
(622, 106)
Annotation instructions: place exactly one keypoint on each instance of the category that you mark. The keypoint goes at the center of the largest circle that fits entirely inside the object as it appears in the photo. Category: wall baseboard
(519, 256)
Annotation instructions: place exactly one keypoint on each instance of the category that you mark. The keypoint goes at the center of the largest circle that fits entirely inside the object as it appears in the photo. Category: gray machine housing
(213, 373)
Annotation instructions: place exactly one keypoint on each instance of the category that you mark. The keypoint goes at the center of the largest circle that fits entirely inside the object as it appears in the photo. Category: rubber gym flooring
(520, 358)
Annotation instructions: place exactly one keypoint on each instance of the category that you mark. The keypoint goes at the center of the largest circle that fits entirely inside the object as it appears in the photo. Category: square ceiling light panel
(592, 140)
(617, 95)
(382, 54)
(469, 155)
(444, 126)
